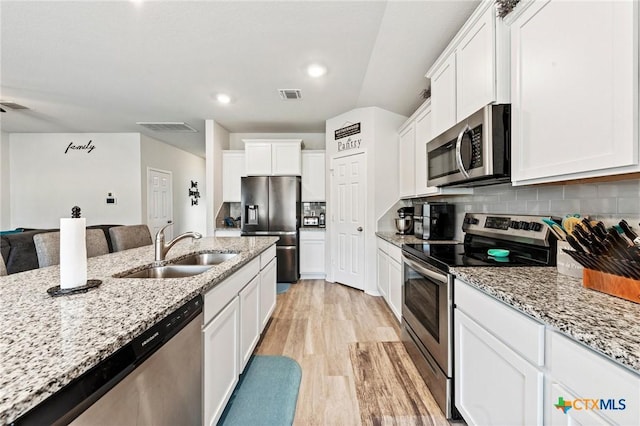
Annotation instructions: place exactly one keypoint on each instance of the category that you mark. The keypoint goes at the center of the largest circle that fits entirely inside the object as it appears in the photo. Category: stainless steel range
(428, 296)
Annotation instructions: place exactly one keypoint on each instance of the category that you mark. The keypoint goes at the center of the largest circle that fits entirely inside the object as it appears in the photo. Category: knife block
(615, 285)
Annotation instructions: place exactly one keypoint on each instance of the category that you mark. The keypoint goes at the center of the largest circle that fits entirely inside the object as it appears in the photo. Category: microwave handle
(459, 153)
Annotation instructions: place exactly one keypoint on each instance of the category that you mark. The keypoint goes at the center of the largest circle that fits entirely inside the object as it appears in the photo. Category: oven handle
(459, 153)
(427, 272)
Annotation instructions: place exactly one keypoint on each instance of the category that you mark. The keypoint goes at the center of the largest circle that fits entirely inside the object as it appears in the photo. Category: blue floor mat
(266, 394)
(282, 287)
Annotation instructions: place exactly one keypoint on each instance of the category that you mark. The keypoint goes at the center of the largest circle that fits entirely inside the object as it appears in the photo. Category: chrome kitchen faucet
(161, 248)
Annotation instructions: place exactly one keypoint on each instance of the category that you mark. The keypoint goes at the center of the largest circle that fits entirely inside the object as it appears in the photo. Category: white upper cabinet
(443, 95)
(265, 157)
(412, 139)
(232, 171)
(313, 176)
(475, 67)
(473, 71)
(574, 90)
(406, 158)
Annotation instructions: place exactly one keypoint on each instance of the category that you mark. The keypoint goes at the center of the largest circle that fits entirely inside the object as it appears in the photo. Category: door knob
(359, 228)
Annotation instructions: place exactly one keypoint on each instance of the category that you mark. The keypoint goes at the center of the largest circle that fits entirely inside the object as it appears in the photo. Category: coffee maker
(404, 221)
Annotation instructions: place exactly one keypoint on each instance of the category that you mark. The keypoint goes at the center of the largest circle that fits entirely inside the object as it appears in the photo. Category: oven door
(427, 308)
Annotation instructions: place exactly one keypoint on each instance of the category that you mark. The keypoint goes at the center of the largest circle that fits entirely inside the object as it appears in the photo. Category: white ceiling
(89, 66)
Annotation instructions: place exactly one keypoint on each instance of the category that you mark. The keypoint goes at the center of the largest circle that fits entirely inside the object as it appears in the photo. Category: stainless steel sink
(205, 259)
(169, 271)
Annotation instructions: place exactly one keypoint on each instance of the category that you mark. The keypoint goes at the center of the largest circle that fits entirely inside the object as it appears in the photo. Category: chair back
(130, 236)
(48, 246)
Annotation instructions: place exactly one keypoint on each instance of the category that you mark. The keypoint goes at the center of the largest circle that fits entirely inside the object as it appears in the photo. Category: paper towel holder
(57, 291)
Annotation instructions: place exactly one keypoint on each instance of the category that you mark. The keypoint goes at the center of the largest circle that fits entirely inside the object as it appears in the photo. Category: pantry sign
(348, 137)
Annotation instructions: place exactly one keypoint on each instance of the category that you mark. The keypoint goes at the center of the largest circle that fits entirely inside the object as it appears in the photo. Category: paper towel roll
(73, 252)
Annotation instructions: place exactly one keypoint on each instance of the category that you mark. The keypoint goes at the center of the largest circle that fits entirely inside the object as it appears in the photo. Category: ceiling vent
(290, 94)
(12, 105)
(167, 126)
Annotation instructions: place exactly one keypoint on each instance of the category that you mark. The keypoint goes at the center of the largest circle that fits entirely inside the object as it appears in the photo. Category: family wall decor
(88, 147)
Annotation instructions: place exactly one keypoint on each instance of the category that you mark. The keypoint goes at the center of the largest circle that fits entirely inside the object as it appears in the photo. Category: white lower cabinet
(249, 320)
(235, 313)
(268, 278)
(493, 384)
(389, 258)
(312, 249)
(512, 370)
(579, 376)
(221, 360)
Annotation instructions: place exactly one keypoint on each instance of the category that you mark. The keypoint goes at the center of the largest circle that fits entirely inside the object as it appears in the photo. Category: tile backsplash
(609, 202)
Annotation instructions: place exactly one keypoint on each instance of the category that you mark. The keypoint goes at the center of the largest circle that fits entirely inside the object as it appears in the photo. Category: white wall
(309, 140)
(216, 140)
(45, 182)
(5, 203)
(185, 167)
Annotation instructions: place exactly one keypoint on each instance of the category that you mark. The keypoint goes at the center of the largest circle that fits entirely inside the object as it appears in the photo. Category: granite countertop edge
(601, 322)
(398, 240)
(48, 342)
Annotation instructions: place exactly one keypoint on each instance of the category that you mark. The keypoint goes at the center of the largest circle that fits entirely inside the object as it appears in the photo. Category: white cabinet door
(249, 320)
(383, 274)
(221, 361)
(475, 67)
(574, 90)
(423, 135)
(268, 276)
(312, 249)
(233, 164)
(395, 288)
(313, 176)
(286, 159)
(443, 96)
(258, 158)
(493, 384)
(571, 417)
(406, 165)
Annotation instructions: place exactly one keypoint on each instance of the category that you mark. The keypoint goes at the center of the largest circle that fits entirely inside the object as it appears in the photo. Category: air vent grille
(290, 94)
(167, 126)
(12, 105)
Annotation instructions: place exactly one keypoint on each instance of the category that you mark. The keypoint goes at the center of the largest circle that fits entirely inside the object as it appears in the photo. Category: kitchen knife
(574, 244)
(600, 230)
(582, 238)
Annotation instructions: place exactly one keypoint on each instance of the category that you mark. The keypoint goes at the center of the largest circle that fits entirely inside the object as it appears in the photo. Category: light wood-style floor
(355, 370)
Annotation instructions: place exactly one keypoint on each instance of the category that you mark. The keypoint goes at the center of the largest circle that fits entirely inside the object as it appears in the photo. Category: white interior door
(159, 201)
(349, 199)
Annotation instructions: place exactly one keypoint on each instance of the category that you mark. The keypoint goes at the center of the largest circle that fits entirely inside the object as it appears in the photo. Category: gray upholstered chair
(130, 236)
(3, 269)
(48, 246)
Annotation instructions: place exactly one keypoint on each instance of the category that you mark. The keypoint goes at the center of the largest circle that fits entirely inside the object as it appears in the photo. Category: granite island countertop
(607, 324)
(47, 342)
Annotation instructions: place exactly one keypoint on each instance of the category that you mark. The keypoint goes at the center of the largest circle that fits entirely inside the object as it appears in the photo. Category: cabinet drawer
(516, 330)
(219, 296)
(589, 375)
(266, 256)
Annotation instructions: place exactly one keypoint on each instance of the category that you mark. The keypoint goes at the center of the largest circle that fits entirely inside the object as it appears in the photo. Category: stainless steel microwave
(474, 152)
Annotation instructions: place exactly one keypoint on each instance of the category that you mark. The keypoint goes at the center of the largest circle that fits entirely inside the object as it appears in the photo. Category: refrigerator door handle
(269, 233)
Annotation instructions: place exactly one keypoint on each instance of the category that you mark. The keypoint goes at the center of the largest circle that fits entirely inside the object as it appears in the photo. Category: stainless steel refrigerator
(271, 206)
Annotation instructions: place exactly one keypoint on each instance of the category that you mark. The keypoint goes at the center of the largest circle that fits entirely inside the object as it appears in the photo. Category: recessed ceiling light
(316, 70)
(223, 99)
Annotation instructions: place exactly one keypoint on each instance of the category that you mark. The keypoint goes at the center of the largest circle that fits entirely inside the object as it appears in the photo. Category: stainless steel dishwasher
(156, 379)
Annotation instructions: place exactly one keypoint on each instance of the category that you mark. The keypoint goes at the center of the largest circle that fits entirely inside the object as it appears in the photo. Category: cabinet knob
(359, 228)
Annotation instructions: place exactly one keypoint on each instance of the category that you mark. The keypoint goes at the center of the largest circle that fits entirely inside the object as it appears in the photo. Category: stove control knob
(515, 224)
(535, 226)
(474, 221)
(524, 225)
